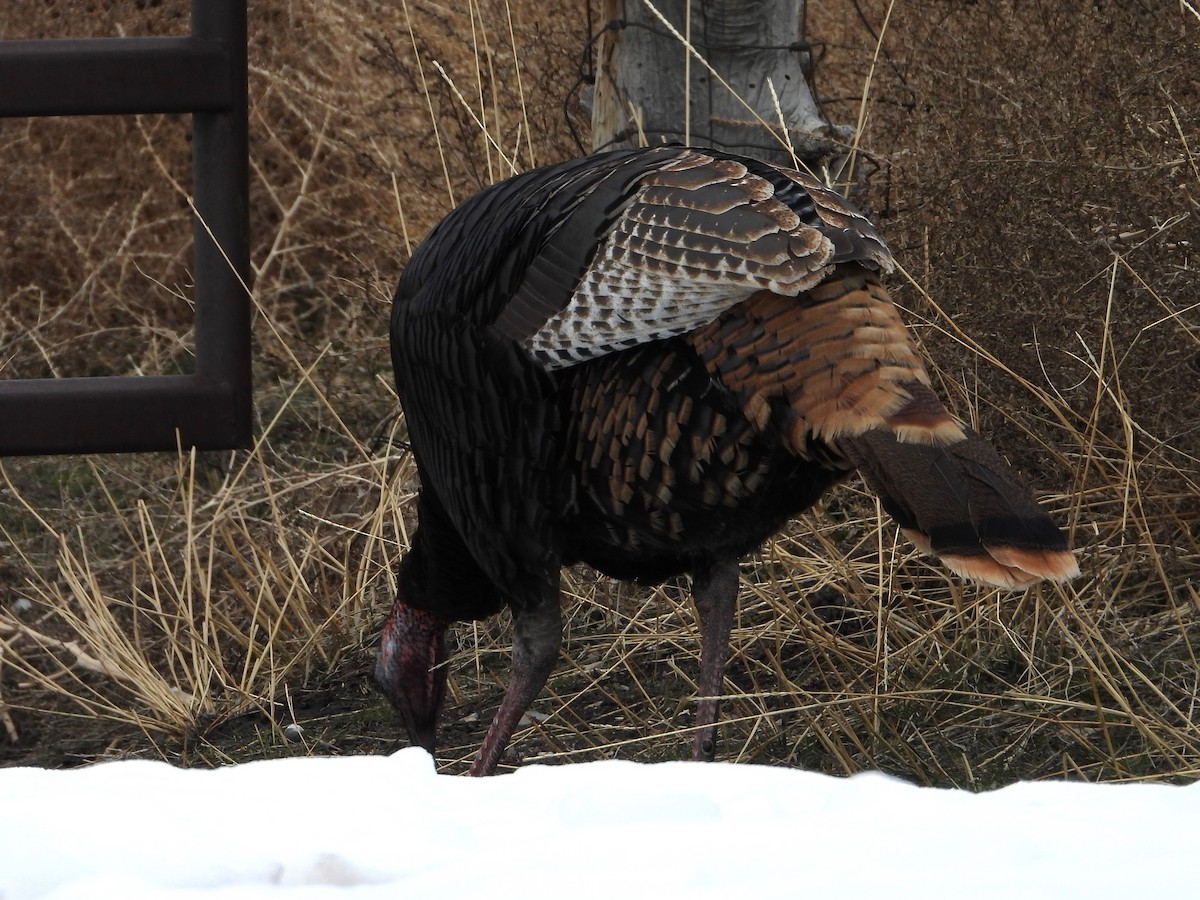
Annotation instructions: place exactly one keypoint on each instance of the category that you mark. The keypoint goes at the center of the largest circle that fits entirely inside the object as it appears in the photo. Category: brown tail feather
(850, 376)
(962, 503)
(839, 356)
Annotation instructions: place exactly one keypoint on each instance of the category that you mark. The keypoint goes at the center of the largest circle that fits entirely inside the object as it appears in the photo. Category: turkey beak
(411, 672)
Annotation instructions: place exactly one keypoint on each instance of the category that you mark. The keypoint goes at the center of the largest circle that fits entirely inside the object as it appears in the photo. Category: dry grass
(1036, 170)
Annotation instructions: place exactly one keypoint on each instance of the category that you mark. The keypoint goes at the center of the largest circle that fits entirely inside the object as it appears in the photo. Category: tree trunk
(650, 89)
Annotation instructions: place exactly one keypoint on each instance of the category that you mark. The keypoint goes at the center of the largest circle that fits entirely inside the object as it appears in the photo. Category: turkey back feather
(697, 234)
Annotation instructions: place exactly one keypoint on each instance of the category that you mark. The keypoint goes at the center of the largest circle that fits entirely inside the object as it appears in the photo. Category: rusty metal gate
(203, 73)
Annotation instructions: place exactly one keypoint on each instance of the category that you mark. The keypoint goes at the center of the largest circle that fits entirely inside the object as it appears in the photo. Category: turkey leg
(537, 633)
(714, 591)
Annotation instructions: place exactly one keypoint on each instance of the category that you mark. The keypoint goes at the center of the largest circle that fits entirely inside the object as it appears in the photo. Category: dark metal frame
(203, 74)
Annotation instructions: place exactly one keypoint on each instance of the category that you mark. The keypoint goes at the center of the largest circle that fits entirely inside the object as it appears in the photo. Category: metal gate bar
(204, 74)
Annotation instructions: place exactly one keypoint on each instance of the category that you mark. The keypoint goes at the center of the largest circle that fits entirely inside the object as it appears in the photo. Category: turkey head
(411, 671)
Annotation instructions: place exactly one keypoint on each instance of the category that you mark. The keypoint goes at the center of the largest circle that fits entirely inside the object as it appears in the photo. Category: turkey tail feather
(962, 503)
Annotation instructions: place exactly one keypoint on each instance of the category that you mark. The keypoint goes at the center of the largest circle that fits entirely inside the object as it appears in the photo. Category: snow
(376, 827)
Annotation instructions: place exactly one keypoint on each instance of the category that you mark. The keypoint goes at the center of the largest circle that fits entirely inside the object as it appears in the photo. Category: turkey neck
(439, 573)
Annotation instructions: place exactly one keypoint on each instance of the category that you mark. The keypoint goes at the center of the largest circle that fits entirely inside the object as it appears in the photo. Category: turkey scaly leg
(714, 592)
(537, 633)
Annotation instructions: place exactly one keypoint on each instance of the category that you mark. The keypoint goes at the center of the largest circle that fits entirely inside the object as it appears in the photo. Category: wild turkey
(648, 360)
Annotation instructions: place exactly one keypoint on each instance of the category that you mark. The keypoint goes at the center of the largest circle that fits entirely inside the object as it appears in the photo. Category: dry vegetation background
(1035, 167)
